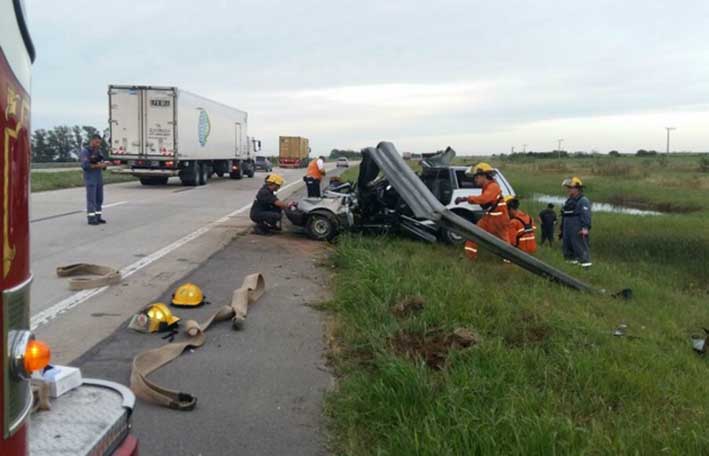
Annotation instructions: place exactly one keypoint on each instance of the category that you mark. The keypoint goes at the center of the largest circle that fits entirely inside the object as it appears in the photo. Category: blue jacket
(92, 176)
(577, 211)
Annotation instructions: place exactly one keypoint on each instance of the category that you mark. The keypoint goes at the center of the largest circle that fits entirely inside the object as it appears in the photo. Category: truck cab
(70, 426)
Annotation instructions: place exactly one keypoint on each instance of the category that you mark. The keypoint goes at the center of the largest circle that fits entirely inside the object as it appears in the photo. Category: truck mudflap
(93, 419)
(424, 205)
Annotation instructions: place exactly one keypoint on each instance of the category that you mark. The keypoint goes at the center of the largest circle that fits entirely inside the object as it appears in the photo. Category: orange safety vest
(495, 219)
(522, 232)
(314, 171)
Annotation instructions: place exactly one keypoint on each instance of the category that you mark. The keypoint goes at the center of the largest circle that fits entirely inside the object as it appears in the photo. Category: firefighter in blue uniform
(576, 223)
(93, 164)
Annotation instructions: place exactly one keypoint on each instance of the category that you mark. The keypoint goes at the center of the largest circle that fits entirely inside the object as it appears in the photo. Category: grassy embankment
(42, 182)
(545, 374)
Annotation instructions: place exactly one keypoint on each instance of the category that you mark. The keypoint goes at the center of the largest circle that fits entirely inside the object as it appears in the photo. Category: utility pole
(669, 129)
(524, 148)
(558, 149)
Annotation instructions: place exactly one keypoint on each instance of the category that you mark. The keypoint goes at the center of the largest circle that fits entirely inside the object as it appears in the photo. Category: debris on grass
(433, 346)
(408, 306)
(699, 343)
(620, 330)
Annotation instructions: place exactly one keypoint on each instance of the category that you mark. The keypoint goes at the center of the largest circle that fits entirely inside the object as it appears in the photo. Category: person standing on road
(547, 218)
(495, 219)
(93, 164)
(267, 209)
(576, 223)
(314, 175)
(522, 229)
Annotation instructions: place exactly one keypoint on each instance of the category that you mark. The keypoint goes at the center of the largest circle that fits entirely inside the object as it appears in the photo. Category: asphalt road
(259, 389)
(155, 235)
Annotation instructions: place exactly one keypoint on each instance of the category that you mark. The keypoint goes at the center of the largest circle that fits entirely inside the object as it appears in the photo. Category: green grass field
(42, 182)
(544, 373)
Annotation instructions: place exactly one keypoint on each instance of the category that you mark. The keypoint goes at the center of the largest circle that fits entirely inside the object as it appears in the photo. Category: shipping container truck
(293, 151)
(160, 132)
(93, 418)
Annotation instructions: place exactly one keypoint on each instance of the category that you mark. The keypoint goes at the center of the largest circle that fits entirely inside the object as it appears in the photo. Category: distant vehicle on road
(159, 132)
(342, 162)
(293, 151)
(263, 164)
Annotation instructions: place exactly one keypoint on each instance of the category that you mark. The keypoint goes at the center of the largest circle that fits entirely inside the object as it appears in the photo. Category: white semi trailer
(159, 132)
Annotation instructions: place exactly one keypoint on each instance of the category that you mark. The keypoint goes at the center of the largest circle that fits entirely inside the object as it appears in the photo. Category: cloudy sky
(481, 76)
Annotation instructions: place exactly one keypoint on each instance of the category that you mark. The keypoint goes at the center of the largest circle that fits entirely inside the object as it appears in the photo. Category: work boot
(93, 220)
(101, 220)
(586, 265)
(261, 229)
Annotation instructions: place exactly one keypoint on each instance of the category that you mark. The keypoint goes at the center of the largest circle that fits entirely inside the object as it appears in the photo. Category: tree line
(62, 143)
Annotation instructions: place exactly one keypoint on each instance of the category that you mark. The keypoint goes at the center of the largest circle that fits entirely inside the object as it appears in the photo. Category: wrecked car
(372, 204)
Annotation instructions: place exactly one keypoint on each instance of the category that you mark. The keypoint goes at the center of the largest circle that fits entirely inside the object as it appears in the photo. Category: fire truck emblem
(204, 127)
(14, 104)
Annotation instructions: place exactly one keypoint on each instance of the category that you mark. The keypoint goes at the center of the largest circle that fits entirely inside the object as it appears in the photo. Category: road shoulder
(260, 390)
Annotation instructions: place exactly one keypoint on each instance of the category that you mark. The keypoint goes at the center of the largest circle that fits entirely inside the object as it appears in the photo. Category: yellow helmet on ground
(275, 179)
(155, 318)
(572, 182)
(480, 168)
(188, 295)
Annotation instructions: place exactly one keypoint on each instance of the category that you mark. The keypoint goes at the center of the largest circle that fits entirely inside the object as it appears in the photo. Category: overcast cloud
(480, 76)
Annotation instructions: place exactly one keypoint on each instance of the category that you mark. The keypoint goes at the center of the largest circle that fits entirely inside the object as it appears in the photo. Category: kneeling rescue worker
(576, 223)
(522, 228)
(495, 219)
(267, 209)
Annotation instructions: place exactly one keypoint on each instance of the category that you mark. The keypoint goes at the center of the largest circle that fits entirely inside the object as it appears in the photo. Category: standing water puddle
(597, 207)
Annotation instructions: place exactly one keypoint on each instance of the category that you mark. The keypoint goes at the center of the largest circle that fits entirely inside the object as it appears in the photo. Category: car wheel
(451, 237)
(321, 227)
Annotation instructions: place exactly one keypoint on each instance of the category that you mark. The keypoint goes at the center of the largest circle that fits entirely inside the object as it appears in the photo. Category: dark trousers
(575, 246)
(94, 199)
(548, 234)
(267, 219)
(313, 186)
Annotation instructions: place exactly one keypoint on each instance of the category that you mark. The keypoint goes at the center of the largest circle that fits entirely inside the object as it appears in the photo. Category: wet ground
(596, 207)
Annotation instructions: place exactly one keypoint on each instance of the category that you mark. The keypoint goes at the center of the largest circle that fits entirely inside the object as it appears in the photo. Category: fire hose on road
(149, 361)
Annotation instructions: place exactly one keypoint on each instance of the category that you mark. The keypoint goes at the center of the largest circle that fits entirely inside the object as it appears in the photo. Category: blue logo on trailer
(204, 127)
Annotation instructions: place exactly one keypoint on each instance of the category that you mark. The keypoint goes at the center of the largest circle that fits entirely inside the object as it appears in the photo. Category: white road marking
(45, 316)
(114, 204)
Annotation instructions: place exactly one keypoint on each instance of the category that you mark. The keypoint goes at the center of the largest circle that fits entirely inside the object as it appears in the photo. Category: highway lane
(141, 220)
(182, 225)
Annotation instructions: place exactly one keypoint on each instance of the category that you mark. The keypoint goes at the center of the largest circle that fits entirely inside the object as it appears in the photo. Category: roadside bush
(704, 164)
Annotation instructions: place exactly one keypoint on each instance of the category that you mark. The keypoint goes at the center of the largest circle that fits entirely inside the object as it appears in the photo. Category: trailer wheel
(202, 173)
(189, 174)
(321, 227)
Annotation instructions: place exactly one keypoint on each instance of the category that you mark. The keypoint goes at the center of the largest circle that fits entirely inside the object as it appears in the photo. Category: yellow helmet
(572, 182)
(480, 168)
(156, 317)
(509, 198)
(188, 295)
(275, 179)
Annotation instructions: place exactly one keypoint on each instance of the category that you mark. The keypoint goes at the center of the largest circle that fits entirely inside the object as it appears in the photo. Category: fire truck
(93, 418)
